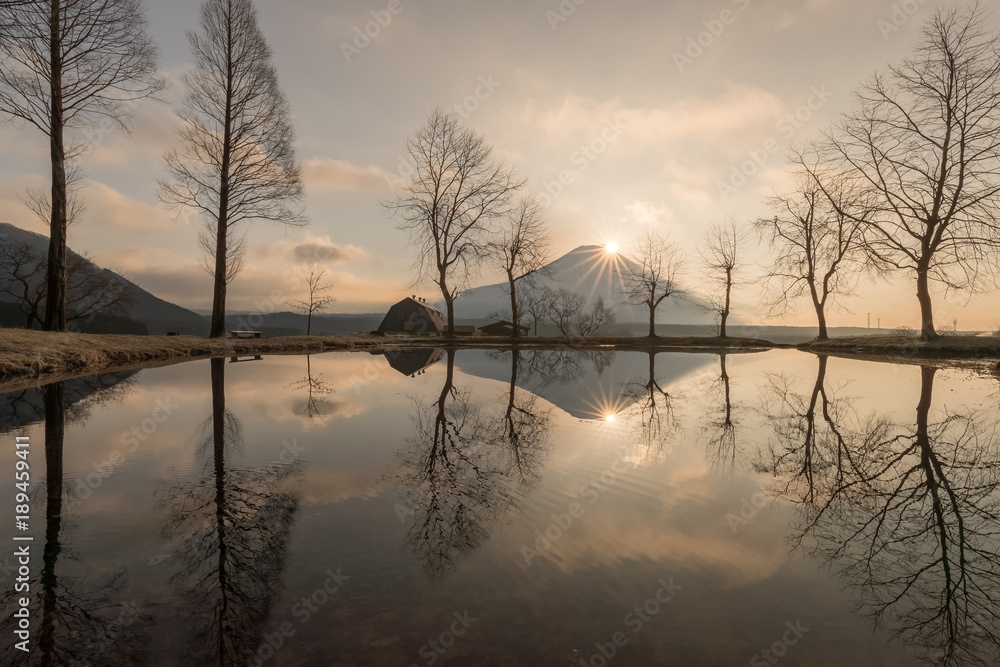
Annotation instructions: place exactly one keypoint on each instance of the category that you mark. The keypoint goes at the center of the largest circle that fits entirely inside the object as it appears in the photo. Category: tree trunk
(219, 295)
(927, 330)
(222, 226)
(449, 302)
(55, 272)
(514, 317)
(821, 318)
(652, 322)
(309, 323)
(725, 309)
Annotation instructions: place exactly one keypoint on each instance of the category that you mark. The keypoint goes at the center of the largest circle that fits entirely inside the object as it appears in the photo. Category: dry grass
(29, 358)
(33, 355)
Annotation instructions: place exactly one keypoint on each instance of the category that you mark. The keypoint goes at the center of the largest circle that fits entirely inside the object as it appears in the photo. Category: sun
(611, 248)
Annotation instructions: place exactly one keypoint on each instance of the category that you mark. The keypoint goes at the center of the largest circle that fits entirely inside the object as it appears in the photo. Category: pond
(487, 508)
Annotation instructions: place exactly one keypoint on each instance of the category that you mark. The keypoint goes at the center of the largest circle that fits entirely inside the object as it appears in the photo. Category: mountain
(592, 272)
(157, 315)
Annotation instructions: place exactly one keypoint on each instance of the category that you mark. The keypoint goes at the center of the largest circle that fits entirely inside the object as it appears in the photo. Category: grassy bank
(30, 358)
(34, 357)
(909, 347)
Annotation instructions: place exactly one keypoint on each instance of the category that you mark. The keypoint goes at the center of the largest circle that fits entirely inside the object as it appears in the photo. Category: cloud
(267, 283)
(323, 174)
(313, 249)
(322, 249)
(107, 207)
(648, 213)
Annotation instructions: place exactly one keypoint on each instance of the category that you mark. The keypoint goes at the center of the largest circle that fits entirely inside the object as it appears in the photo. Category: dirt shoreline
(895, 348)
(34, 358)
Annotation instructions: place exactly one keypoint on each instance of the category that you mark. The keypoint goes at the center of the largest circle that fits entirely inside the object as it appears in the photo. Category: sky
(645, 110)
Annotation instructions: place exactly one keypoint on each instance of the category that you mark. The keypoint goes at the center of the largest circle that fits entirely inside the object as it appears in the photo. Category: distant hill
(294, 324)
(157, 315)
(591, 272)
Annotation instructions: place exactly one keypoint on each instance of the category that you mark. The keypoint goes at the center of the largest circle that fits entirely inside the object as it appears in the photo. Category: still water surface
(481, 508)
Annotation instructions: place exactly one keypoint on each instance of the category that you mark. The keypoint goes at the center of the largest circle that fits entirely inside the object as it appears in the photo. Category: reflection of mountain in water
(586, 385)
(27, 406)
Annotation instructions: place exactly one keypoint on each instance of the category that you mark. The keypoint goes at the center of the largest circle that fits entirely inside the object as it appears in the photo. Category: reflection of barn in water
(412, 362)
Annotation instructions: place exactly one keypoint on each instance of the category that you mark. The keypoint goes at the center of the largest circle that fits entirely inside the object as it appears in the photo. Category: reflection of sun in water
(605, 408)
(611, 247)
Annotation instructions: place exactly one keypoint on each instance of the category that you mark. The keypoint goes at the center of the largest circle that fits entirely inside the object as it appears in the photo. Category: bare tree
(66, 64)
(90, 290)
(723, 262)
(563, 308)
(459, 190)
(39, 201)
(536, 303)
(817, 245)
(319, 296)
(587, 322)
(520, 249)
(21, 277)
(236, 162)
(236, 251)
(925, 139)
(660, 264)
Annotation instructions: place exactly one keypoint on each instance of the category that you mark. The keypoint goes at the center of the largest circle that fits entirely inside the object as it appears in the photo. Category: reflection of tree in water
(80, 622)
(908, 516)
(26, 406)
(317, 389)
(721, 424)
(564, 366)
(523, 428)
(231, 528)
(461, 466)
(653, 411)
